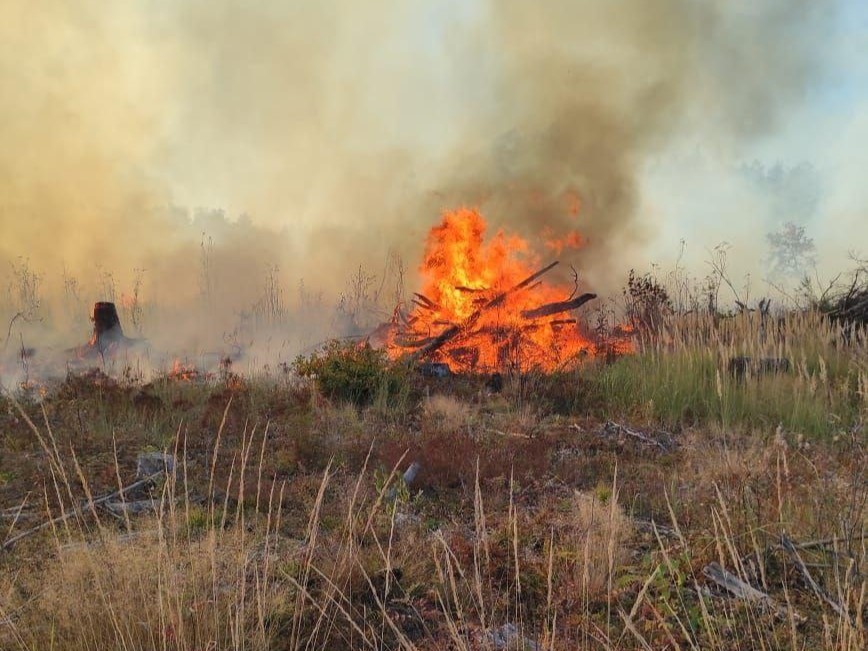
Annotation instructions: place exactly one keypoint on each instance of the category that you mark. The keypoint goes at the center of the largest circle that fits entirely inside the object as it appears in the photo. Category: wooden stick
(80, 509)
(741, 590)
(556, 308)
(644, 438)
(788, 546)
(452, 331)
(424, 301)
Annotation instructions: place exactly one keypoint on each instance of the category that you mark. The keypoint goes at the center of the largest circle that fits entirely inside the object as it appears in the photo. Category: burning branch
(453, 331)
(463, 316)
(556, 308)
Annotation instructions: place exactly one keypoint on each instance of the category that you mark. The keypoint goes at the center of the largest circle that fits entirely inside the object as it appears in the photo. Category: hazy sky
(343, 128)
(688, 187)
(698, 187)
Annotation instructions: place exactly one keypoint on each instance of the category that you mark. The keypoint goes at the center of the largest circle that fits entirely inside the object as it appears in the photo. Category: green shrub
(354, 372)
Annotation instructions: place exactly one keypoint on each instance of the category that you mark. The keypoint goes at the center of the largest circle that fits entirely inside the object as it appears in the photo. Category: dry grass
(445, 413)
(278, 528)
(593, 542)
(682, 374)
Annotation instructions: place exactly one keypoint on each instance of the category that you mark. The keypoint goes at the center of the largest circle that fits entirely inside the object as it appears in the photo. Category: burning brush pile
(484, 307)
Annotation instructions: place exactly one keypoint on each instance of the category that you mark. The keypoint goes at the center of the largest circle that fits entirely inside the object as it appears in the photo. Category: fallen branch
(556, 308)
(741, 590)
(132, 508)
(612, 427)
(81, 509)
(828, 542)
(788, 546)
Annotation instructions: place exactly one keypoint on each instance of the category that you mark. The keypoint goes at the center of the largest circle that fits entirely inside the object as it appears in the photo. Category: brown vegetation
(534, 519)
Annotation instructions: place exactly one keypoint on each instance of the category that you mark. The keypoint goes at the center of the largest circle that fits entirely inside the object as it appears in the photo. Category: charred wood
(556, 308)
(453, 331)
(424, 301)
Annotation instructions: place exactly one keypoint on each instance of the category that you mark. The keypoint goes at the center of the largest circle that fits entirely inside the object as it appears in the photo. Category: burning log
(556, 308)
(497, 300)
(464, 317)
(453, 331)
(423, 301)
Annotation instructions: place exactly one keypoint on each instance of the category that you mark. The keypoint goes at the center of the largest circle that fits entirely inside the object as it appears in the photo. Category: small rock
(151, 463)
(508, 638)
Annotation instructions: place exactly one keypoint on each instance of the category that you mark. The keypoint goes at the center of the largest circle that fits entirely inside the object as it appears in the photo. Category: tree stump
(106, 326)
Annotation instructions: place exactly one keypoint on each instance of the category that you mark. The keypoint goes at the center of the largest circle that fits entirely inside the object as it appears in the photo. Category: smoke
(583, 94)
(343, 128)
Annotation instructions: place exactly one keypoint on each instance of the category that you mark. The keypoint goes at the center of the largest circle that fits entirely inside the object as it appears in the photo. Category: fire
(183, 372)
(482, 305)
(572, 240)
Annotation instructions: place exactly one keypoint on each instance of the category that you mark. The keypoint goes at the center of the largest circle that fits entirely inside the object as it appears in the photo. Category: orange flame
(182, 372)
(572, 240)
(463, 276)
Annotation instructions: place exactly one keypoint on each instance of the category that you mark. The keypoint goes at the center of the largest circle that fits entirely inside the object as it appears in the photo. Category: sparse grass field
(534, 522)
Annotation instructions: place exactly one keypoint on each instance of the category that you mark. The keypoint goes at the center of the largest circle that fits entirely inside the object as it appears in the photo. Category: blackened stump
(106, 326)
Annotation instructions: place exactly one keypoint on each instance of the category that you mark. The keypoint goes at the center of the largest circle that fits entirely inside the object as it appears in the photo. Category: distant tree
(791, 192)
(791, 251)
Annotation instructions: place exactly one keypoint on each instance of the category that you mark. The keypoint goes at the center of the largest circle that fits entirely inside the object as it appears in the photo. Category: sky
(824, 132)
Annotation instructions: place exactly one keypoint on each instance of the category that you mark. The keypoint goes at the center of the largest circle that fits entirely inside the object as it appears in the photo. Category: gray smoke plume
(343, 128)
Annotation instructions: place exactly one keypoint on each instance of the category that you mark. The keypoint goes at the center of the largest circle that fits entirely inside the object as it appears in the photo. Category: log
(742, 367)
(434, 369)
(556, 308)
(108, 335)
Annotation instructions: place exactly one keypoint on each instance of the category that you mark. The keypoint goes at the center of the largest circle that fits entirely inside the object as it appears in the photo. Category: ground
(570, 510)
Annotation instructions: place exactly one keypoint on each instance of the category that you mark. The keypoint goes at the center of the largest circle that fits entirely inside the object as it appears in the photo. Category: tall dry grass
(261, 562)
(681, 373)
(228, 574)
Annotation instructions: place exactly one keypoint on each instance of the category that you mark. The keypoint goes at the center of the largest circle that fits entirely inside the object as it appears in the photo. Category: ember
(483, 306)
(183, 372)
